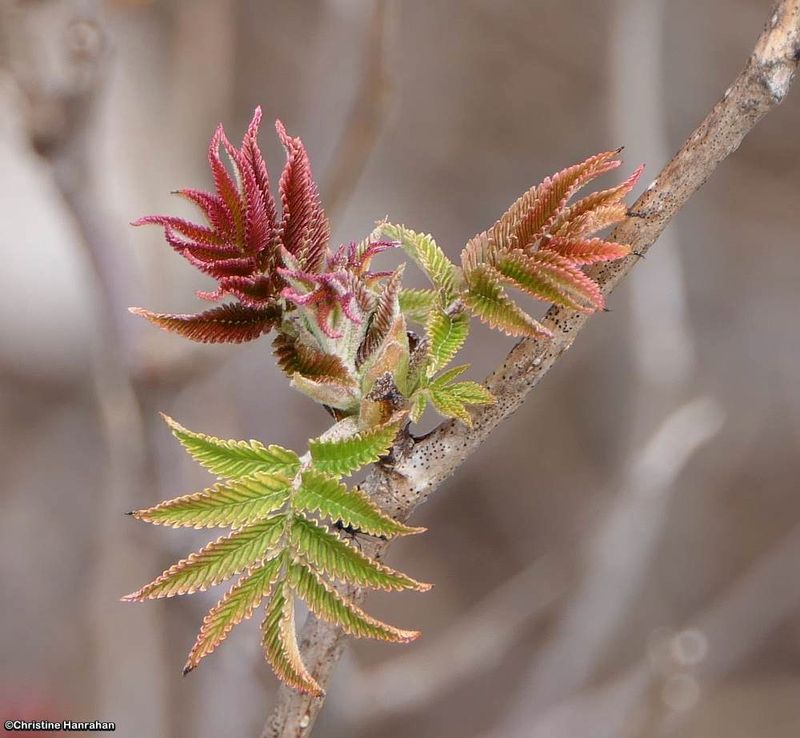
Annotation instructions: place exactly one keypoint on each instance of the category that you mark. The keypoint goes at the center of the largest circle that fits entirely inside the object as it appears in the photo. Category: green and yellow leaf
(487, 300)
(333, 500)
(446, 335)
(329, 605)
(338, 559)
(471, 393)
(451, 399)
(450, 406)
(424, 251)
(237, 605)
(228, 504)
(416, 304)
(419, 402)
(280, 642)
(345, 455)
(216, 562)
(234, 459)
(449, 375)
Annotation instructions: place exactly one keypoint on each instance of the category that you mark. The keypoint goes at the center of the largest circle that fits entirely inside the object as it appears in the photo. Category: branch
(419, 466)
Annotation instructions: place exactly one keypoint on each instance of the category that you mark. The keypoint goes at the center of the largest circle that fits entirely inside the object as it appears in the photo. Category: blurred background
(620, 559)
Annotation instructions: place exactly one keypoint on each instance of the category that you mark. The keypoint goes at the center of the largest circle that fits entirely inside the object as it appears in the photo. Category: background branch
(364, 120)
(420, 466)
(731, 626)
(61, 90)
(618, 560)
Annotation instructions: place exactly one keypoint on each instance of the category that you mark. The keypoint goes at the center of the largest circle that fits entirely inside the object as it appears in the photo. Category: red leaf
(569, 279)
(305, 230)
(197, 233)
(254, 291)
(586, 251)
(233, 226)
(224, 324)
(262, 218)
(212, 207)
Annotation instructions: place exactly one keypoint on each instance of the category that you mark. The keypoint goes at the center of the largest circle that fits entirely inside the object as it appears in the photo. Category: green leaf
(327, 392)
(448, 376)
(471, 393)
(331, 555)
(280, 642)
(451, 399)
(431, 259)
(446, 335)
(487, 300)
(233, 503)
(216, 562)
(237, 605)
(416, 304)
(450, 407)
(346, 455)
(234, 459)
(329, 605)
(332, 499)
(418, 403)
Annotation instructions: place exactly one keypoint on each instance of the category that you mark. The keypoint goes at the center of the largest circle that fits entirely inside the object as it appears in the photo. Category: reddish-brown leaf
(305, 230)
(224, 324)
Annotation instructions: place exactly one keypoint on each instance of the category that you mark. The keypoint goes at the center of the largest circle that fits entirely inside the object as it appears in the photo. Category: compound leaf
(448, 376)
(534, 212)
(471, 393)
